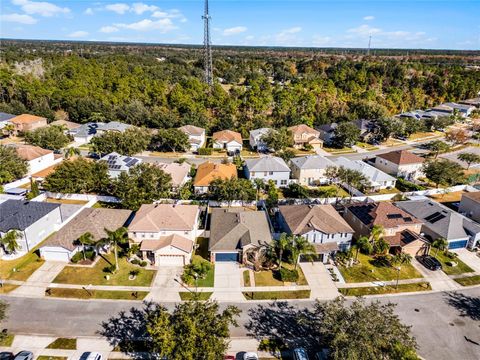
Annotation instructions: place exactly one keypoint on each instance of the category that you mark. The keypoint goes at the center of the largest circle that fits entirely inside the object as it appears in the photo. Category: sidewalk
(377, 283)
(38, 282)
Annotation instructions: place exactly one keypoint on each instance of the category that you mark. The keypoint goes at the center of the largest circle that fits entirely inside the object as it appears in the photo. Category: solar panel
(394, 216)
(433, 218)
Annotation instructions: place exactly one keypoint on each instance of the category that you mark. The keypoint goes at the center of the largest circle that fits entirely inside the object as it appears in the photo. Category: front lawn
(385, 191)
(246, 278)
(97, 276)
(6, 288)
(469, 280)
(24, 267)
(96, 294)
(460, 268)
(209, 278)
(390, 289)
(7, 340)
(370, 269)
(187, 295)
(202, 248)
(267, 278)
(277, 295)
(64, 344)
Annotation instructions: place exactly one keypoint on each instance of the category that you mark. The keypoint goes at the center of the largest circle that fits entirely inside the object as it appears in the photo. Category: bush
(134, 272)
(405, 185)
(143, 263)
(135, 262)
(199, 267)
(109, 269)
(287, 275)
(89, 255)
(205, 151)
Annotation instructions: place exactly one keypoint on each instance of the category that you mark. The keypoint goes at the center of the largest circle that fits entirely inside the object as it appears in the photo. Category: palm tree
(84, 240)
(281, 245)
(376, 233)
(71, 152)
(402, 258)
(381, 247)
(300, 246)
(363, 244)
(115, 237)
(259, 185)
(9, 241)
(440, 244)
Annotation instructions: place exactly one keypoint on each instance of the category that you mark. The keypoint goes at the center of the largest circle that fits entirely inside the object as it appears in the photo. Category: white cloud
(318, 40)
(118, 8)
(78, 34)
(140, 8)
(288, 36)
(19, 18)
(169, 14)
(369, 18)
(234, 30)
(88, 11)
(364, 30)
(292, 30)
(108, 29)
(40, 7)
(162, 25)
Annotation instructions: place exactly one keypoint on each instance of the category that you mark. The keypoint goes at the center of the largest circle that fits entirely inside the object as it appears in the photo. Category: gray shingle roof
(5, 116)
(113, 126)
(19, 214)
(267, 163)
(117, 162)
(88, 129)
(372, 173)
(312, 162)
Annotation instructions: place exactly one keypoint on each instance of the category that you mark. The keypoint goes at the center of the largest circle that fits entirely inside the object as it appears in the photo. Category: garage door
(170, 260)
(457, 244)
(226, 257)
(55, 256)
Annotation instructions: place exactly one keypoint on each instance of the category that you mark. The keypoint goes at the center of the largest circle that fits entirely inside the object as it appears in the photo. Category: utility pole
(207, 50)
(369, 44)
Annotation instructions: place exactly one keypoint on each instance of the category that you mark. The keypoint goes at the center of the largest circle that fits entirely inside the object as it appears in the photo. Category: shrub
(135, 262)
(134, 272)
(287, 275)
(109, 269)
(405, 185)
(200, 267)
(143, 263)
(205, 151)
(89, 255)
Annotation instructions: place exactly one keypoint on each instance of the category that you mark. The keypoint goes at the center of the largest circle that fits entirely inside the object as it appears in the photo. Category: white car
(91, 356)
(250, 356)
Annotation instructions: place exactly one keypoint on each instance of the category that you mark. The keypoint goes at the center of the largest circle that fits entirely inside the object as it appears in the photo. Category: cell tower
(207, 50)
(369, 44)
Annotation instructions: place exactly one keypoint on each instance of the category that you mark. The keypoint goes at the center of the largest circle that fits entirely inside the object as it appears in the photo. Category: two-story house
(470, 205)
(303, 134)
(256, 139)
(268, 168)
(400, 163)
(165, 232)
(196, 136)
(321, 225)
(27, 122)
(36, 157)
(209, 171)
(310, 170)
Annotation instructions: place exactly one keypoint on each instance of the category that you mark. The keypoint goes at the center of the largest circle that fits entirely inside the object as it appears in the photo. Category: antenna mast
(207, 50)
(369, 44)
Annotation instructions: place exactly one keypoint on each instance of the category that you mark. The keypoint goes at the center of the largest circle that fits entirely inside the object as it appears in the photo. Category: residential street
(446, 325)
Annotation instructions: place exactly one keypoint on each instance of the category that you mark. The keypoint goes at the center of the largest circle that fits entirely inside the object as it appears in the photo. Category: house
(442, 222)
(303, 135)
(119, 163)
(27, 122)
(4, 119)
(368, 129)
(196, 136)
(180, 173)
(400, 163)
(321, 225)
(37, 158)
(268, 168)
(450, 108)
(327, 132)
(67, 125)
(84, 133)
(401, 230)
(233, 232)
(475, 102)
(378, 179)
(256, 139)
(209, 171)
(63, 245)
(165, 233)
(34, 220)
(310, 170)
(227, 140)
(470, 205)
(112, 126)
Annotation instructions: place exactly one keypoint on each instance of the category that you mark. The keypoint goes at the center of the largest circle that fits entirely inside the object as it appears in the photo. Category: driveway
(321, 284)
(437, 279)
(38, 282)
(469, 258)
(227, 285)
(164, 286)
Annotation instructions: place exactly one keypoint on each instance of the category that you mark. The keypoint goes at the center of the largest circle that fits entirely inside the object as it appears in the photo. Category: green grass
(277, 295)
(107, 205)
(209, 278)
(202, 249)
(96, 294)
(7, 340)
(96, 276)
(6, 288)
(187, 295)
(24, 267)
(390, 289)
(265, 277)
(367, 270)
(45, 357)
(246, 278)
(366, 146)
(461, 267)
(469, 280)
(345, 150)
(385, 191)
(64, 344)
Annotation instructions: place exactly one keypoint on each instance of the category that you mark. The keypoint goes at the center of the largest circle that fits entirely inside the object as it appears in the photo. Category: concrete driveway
(321, 284)
(38, 282)
(469, 258)
(228, 282)
(164, 286)
(437, 279)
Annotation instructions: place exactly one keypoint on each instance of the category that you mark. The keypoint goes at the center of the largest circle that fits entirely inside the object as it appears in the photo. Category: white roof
(267, 163)
(312, 162)
(372, 173)
(259, 132)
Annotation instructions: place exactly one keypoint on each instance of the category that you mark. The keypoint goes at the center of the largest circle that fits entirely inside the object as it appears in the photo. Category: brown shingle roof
(208, 171)
(472, 196)
(326, 247)
(302, 128)
(89, 220)
(178, 172)
(158, 217)
(383, 213)
(192, 130)
(227, 136)
(177, 241)
(402, 157)
(26, 119)
(403, 238)
(68, 124)
(30, 152)
(304, 218)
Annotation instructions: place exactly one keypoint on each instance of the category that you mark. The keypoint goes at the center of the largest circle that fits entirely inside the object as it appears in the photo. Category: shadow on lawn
(467, 306)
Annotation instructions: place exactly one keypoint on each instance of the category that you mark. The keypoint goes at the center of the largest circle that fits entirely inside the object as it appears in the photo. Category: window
(283, 182)
(270, 173)
(275, 182)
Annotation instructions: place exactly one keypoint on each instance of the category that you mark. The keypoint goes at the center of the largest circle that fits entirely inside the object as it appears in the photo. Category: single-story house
(64, 244)
(27, 122)
(165, 232)
(34, 220)
(321, 225)
(442, 222)
(228, 140)
(256, 139)
(84, 133)
(310, 170)
(36, 157)
(4, 119)
(119, 163)
(303, 135)
(233, 232)
(450, 107)
(68, 125)
(180, 173)
(470, 205)
(400, 163)
(196, 136)
(209, 171)
(268, 168)
(475, 102)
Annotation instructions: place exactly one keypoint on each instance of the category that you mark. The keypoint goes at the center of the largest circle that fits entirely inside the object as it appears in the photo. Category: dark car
(24, 355)
(6, 355)
(429, 262)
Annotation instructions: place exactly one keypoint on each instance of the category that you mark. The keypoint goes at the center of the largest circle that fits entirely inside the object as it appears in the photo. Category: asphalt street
(446, 325)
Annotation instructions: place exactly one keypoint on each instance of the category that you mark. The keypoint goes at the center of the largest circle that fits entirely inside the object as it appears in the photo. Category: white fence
(17, 183)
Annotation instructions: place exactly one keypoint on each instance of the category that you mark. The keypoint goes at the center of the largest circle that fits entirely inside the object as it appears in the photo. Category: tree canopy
(346, 134)
(12, 167)
(232, 189)
(129, 142)
(444, 172)
(50, 137)
(170, 140)
(278, 139)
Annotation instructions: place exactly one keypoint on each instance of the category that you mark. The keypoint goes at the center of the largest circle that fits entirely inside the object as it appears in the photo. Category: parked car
(6, 355)
(429, 262)
(91, 356)
(300, 354)
(250, 356)
(24, 355)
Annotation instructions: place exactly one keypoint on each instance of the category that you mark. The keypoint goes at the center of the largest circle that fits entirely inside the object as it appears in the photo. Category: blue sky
(396, 24)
